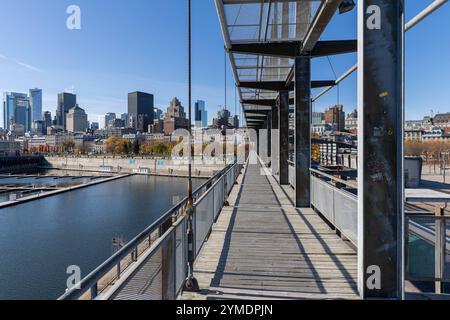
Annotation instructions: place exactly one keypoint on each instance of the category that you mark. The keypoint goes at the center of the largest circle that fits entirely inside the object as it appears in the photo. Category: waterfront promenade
(262, 247)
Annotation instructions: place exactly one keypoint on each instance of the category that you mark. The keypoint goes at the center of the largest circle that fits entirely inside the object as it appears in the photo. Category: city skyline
(92, 118)
(102, 119)
(103, 75)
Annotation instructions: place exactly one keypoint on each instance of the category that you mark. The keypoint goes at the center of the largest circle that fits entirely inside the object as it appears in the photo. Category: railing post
(213, 202)
(225, 185)
(191, 283)
(439, 249)
(174, 252)
(224, 188)
(94, 291)
(406, 242)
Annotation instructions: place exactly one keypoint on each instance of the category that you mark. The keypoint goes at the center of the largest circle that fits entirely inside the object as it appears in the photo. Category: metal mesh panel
(230, 181)
(147, 282)
(323, 198)
(180, 255)
(168, 267)
(217, 198)
(345, 214)
(292, 176)
(204, 218)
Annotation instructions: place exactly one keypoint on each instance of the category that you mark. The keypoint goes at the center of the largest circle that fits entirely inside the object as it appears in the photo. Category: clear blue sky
(141, 45)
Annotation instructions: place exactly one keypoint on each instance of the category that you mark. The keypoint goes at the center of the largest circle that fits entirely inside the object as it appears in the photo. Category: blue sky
(134, 45)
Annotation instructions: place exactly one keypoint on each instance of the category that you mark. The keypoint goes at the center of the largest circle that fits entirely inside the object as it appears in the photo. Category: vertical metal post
(94, 291)
(406, 242)
(191, 284)
(380, 149)
(283, 125)
(275, 141)
(258, 141)
(439, 249)
(444, 167)
(263, 143)
(302, 131)
(269, 136)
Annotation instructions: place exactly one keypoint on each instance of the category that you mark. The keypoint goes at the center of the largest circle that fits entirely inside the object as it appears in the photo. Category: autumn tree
(115, 145)
(68, 145)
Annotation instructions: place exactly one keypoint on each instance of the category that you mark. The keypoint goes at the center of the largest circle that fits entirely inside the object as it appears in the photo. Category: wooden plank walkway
(263, 248)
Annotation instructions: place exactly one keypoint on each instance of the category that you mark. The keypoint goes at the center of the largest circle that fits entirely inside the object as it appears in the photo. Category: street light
(191, 283)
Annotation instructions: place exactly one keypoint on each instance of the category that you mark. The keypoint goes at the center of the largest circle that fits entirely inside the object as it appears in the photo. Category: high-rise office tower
(140, 110)
(77, 120)
(66, 101)
(158, 114)
(47, 119)
(110, 117)
(16, 110)
(175, 110)
(102, 122)
(175, 117)
(124, 118)
(201, 115)
(36, 104)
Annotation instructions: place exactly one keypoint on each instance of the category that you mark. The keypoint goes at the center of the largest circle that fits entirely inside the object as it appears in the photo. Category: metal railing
(427, 249)
(427, 235)
(159, 253)
(336, 200)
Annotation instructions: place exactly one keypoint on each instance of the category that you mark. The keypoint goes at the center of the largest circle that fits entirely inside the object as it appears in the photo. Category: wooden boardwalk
(264, 248)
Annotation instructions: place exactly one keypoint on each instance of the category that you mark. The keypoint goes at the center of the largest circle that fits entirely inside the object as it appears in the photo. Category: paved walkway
(264, 248)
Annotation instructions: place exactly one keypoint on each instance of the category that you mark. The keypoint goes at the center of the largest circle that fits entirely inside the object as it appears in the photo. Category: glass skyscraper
(201, 115)
(16, 110)
(36, 104)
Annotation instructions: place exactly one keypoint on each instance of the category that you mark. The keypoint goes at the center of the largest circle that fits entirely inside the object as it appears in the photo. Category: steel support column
(283, 125)
(269, 135)
(302, 75)
(257, 141)
(274, 141)
(380, 148)
(263, 149)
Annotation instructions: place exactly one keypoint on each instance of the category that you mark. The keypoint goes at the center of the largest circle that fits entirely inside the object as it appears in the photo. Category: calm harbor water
(40, 239)
(46, 178)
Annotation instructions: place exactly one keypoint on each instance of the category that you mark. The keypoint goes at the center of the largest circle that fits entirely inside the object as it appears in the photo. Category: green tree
(126, 148)
(136, 147)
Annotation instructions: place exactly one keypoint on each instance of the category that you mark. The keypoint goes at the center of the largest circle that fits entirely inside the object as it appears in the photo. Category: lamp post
(190, 284)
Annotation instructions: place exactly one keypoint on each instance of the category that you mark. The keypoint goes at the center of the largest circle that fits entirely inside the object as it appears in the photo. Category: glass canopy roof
(250, 21)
